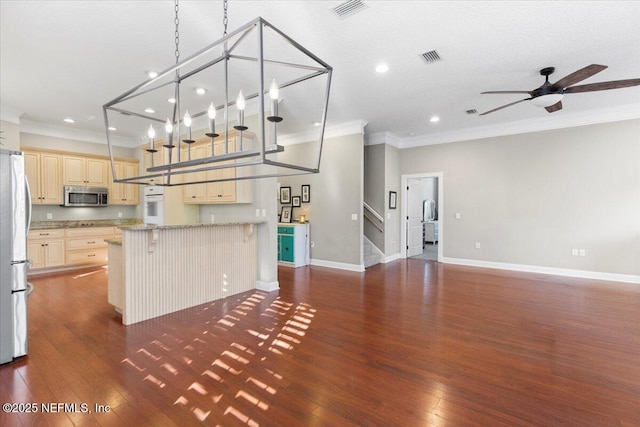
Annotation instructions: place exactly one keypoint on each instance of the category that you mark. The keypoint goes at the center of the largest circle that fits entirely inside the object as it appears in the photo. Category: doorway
(422, 228)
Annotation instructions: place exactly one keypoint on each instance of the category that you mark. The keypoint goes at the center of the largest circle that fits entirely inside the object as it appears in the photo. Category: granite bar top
(114, 241)
(40, 225)
(143, 227)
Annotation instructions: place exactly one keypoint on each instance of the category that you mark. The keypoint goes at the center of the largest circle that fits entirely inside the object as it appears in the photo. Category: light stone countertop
(144, 227)
(114, 241)
(85, 223)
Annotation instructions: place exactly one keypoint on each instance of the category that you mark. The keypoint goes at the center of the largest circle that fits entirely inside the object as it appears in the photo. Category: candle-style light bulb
(211, 112)
(187, 122)
(274, 94)
(151, 133)
(168, 128)
(240, 104)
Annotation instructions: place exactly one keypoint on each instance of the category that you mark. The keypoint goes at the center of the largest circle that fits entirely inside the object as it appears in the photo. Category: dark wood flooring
(409, 343)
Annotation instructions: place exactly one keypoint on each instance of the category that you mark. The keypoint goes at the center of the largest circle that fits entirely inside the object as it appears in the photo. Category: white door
(414, 217)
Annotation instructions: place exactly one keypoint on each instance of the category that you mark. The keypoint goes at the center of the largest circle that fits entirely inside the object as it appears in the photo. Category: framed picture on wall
(285, 195)
(306, 193)
(285, 215)
(393, 199)
(295, 200)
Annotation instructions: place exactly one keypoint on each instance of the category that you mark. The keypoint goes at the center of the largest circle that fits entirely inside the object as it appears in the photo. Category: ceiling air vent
(472, 111)
(431, 57)
(349, 8)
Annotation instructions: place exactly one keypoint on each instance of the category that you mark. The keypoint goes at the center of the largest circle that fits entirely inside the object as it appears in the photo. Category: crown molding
(63, 132)
(603, 115)
(383, 138)
(333, 131)
(10, 115)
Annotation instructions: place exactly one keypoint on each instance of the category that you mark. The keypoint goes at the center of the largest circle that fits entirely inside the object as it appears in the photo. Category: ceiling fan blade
(578, 76)
(555, 107)
(616, 84)
(504, 106)
(506, 91)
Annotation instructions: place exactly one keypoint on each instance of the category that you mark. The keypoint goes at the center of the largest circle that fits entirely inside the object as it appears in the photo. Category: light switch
(457, 215)
(264, 213)
(49, 216)
(354, 217)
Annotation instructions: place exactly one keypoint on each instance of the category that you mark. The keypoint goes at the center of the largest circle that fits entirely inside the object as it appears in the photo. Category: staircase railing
(377, 219)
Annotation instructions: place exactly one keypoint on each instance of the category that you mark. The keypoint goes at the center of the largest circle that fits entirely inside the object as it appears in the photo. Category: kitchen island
(156, 270)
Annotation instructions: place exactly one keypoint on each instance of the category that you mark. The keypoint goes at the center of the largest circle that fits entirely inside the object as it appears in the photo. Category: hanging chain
(225, 21)
(177, 33)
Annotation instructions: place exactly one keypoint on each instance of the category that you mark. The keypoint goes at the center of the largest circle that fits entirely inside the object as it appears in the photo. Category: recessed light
(149, 110)
(171, 100)
(68, 120)
(152, 74)
(434, 119)
(382, 68)
(316, 123)
(112, 128)
(201, 90)
(411, 134)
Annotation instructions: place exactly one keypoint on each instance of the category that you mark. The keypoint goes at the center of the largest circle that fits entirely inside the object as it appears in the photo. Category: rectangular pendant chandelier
(219, 115)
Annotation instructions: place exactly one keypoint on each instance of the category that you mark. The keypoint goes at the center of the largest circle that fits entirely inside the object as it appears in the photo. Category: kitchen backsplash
(59, 213)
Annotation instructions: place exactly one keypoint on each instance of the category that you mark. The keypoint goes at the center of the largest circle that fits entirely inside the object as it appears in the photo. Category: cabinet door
(223, 191)
(196, 193)
(97, 173)
(131, 191)
(116, 190)
(51, 179)
(54, 250)
(286, 248)
(32, 170)
(35, 253)
(74, 171)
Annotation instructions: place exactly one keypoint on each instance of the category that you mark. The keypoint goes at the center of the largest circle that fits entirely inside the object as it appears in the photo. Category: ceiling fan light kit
(235, 69)
(549, 96)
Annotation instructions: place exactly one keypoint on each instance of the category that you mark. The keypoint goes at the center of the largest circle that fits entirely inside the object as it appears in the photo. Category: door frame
(404, 178)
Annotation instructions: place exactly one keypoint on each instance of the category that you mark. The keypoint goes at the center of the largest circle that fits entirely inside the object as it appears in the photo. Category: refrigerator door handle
(29, 204)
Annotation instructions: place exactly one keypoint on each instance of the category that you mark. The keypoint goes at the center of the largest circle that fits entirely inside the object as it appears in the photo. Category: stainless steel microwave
(85, 196)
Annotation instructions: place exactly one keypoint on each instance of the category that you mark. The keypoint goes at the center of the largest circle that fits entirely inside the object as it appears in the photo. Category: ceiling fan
(550, 95)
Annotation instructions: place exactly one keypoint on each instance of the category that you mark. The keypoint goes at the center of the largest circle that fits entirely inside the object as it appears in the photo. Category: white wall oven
(153, 205)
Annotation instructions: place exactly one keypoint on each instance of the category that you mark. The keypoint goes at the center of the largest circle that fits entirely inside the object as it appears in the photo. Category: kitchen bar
(156, 270)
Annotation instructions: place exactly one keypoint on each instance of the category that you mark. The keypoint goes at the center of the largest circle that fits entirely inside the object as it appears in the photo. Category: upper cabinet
(44, 173)
(85, 171)
(123, 194)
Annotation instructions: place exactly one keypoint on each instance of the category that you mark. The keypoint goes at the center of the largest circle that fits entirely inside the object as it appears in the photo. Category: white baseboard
(392, 257)
(267, 286)
(584, 274)
(338, 265)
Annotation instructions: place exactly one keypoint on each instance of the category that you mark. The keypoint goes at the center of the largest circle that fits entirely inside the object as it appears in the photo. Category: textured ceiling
(67, 58)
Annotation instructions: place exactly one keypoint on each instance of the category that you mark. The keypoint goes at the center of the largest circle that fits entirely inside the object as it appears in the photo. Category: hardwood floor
(409, 343)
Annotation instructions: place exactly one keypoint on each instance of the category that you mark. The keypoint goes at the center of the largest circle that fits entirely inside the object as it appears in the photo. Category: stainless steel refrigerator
(15, 218)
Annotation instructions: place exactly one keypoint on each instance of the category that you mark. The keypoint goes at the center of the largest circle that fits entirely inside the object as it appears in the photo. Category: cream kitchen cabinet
(44, 173)
(45, 248)
(123, 194)
(85, 171)
(87, 245)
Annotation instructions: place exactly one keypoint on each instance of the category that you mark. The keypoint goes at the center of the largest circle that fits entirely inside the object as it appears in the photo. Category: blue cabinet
(293, 244)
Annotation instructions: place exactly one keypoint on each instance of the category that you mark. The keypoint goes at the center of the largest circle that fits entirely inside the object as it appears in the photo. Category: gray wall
(392, 216)
(374, 190)
(336, 193)
(10, 136)
(532, 198)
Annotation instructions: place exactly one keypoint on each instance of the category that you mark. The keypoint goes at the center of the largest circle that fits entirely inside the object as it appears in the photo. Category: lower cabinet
(59, 247)
(45, 248)
(293, 244)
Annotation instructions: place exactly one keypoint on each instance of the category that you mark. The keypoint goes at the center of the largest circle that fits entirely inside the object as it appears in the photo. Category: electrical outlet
(213, 217)
(457, 215)
(354, 217)
(313, 244)
(583, 252)
(49, 216)
(119, 214)
(258, 212)
(264, 213)
(477, 245)
(574, 252)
